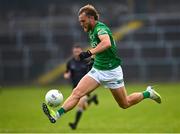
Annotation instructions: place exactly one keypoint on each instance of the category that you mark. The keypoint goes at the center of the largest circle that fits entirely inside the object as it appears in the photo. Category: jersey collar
(91, 31)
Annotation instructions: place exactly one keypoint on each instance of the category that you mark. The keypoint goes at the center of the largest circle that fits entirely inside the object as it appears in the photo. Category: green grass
(20, 111)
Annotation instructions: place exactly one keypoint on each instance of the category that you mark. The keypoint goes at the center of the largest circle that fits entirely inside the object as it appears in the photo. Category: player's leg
(116, 85)
(86, 85)
(92, 98)
(81, 106)
(126, 101)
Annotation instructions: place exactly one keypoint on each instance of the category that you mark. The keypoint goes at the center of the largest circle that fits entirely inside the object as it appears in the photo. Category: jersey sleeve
(101, 31)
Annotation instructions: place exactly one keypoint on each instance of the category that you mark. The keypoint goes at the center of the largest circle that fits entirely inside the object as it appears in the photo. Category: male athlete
(75, 70)
(106, 69)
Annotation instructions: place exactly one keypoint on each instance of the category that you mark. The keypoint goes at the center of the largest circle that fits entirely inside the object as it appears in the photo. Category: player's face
(85, 22)
(76, 52)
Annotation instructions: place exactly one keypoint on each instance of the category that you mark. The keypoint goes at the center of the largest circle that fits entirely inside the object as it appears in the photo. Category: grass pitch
(20, 111)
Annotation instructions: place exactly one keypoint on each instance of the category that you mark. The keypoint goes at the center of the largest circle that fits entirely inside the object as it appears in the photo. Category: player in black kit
(75, 70)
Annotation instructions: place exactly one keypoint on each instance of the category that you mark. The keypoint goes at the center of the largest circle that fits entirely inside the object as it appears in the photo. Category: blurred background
(36, 38)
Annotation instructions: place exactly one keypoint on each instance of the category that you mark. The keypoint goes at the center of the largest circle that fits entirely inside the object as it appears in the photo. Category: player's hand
(67, 75)
(84, 55)
(90, 63)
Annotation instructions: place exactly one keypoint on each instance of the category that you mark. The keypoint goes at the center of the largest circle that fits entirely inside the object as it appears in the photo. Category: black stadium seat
(7, 40)
(172, 36)
(154, 52)
(35, 70)
(164, 23)
(176, 51)
(126, 53)
(131, 72)
(33, 38)
(159, 72)
(39, 56)
(12, 55)
(13, 73)
(145, 36)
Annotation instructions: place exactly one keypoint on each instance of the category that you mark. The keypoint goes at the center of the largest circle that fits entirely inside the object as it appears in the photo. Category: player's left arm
(103, 45)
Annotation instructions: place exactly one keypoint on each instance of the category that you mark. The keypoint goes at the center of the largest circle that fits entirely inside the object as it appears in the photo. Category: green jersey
(107, 59)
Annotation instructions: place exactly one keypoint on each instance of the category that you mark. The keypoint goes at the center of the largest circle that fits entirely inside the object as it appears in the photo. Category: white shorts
(112, 79)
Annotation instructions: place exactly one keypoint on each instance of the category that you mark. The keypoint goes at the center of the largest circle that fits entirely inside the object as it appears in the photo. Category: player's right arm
(67, 73)
(104, 44)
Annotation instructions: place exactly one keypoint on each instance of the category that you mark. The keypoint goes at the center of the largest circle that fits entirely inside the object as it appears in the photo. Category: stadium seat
(63, 42)
(36, 69)
(153, 52)
(165, 23)
(161, 71)
(40, 56)
(12, 55)
(8, 41)
(126, 53)
(145, 36)
(34, 45)
(13, 73)
(39, 59)
(176, 51)
(131, 72)
(172, 36)
(33, 38)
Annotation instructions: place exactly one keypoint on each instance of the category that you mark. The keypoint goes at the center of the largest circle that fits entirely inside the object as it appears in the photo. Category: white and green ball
(54, 98)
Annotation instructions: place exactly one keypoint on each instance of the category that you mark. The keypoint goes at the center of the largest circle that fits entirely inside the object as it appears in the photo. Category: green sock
(146, 94)
(61, 111)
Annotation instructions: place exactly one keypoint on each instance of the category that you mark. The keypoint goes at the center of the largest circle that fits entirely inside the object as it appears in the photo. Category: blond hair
(89, 10)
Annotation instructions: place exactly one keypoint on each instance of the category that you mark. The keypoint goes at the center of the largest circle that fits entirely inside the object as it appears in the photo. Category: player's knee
(81, 106)
(76, 93)
(124, 106)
